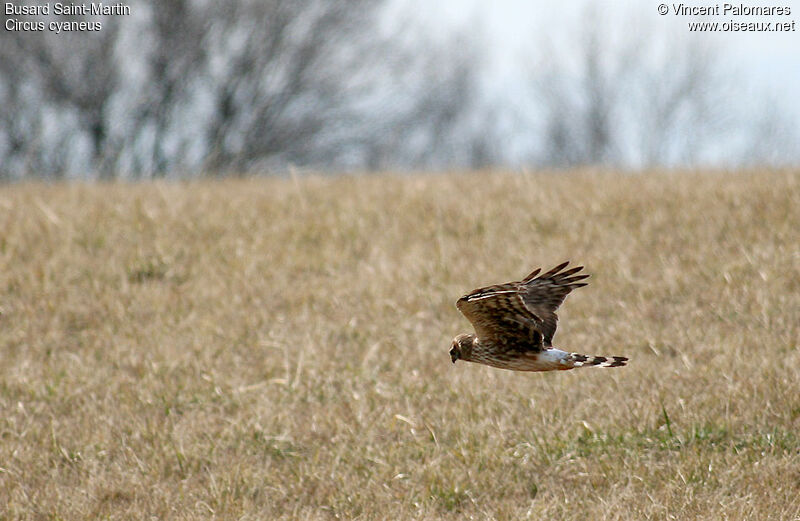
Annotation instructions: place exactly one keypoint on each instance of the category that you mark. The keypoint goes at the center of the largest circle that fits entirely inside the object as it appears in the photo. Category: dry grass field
(278, 349)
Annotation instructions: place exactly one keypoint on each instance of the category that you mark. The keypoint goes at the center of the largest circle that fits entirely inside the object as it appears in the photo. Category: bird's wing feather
(543, 295)
(499, 315)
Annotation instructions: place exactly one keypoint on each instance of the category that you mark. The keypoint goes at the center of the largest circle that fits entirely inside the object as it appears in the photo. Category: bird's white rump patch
(555, 358)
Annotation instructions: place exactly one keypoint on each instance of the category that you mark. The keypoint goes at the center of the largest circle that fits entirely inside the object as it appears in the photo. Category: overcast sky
(768, 62)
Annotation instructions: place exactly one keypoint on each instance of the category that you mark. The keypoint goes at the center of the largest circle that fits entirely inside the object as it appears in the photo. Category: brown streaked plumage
(515, 324)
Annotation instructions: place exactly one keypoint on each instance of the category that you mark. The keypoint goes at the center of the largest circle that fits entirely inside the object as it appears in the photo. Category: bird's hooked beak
(454, 354)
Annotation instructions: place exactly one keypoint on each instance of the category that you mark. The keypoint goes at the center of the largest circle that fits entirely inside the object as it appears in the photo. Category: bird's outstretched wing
(545, 293)
(500, 316)
(521, 312)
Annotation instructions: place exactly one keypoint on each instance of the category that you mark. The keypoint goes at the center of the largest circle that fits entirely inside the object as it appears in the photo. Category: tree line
(191, 87)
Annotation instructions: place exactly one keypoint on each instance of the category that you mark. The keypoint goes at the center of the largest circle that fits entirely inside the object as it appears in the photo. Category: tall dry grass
(278, 349)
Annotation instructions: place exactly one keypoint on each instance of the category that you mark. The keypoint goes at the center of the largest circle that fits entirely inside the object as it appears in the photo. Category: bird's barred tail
(580, 360)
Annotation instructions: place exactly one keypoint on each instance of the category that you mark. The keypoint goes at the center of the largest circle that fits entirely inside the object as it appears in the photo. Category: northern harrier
(515, 323)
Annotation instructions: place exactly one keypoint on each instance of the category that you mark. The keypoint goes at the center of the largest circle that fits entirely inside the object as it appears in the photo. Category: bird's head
(461, 348)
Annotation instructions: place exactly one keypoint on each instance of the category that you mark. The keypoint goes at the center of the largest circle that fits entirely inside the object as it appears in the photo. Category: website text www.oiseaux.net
(740, 11)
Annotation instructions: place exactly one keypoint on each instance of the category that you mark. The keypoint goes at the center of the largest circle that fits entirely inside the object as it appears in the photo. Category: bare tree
(20, 118)
(74, 73)
(175, 58)
(434, 114)
(227, 87)
(248, 84)
(636, 101)
(286, 72)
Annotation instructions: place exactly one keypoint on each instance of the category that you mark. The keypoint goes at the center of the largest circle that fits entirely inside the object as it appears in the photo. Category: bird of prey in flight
(515, 323)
